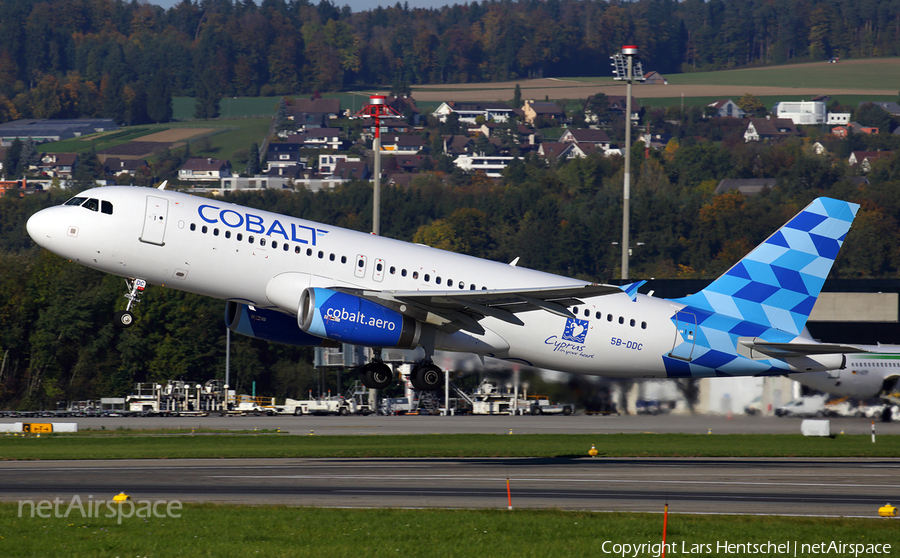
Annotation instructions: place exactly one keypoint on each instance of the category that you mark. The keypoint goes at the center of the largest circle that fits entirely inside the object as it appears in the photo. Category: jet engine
(350, 319)
(268, 325)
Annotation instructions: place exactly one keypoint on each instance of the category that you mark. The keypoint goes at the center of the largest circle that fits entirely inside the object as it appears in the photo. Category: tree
(870, 114)
(208, 95)
(517, 97)
(253, 160)
(11, 161)
(283, 124)
(159, 98)
(751, 105)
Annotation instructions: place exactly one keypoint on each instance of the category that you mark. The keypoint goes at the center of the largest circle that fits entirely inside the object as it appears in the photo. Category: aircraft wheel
(427, 377)
(123, 319)
(377, 375)
(567, 411)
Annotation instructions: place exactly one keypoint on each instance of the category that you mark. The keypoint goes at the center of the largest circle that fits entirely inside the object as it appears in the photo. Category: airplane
(873, 374)
(299, 282)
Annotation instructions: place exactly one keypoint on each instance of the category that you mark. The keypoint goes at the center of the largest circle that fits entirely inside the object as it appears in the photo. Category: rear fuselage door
(155, 217)
(685, 336)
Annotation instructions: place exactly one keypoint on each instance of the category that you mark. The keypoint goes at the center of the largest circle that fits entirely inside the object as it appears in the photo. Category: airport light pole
(625, 69)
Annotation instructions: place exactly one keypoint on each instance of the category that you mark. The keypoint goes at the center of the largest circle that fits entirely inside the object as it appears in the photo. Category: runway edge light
(593, 451)
(887, 510)
(121, 497)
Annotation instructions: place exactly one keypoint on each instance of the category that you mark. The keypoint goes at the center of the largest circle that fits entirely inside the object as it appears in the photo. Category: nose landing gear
(124, 318)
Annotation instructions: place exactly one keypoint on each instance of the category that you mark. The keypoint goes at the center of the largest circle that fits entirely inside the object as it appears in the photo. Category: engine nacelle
(351, 319)
(268, 325)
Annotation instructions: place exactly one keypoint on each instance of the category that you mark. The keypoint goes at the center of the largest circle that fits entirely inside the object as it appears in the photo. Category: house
(328, 162)
(890, 107)
(406, 144)
(282, 155)
(387, 125)
(521, 134)
(405, 105)
(331, 108)
(767, 129)
(865, 158)
(116, 166)
(491, 166)
(57, 164)
(588, 136)
(458, 145)
(802, 112)
(323, 138)
(554, 150)
(410, 163)
(746, 186)
(469, 112)
(309, 120)
(655, 78)
(351, 170)
(853, 127)
(533, 110)
(204, 170)
(727, 108)
(618, 105)
(837, 118)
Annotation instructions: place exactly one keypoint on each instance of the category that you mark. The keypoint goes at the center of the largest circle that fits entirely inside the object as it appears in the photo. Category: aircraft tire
(123, 319)
(377, 375)
(427, 377)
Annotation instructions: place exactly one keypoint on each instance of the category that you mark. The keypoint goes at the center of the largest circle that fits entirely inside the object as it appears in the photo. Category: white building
(492, 166)
(802, 112)
(838, 118)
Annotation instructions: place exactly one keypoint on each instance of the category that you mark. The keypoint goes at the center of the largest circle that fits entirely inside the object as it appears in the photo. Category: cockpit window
(93, 204)
(106, 207)
(75, 201)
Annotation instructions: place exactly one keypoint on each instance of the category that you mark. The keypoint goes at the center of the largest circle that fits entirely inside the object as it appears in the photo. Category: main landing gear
(425, 375)
(124, 318)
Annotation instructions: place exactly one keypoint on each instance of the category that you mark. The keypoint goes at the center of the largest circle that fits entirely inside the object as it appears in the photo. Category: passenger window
(393, 270)
(240, 236)
(403, 273)
(262, 241)
(309, 251)
(215, 232)
(227, 234)
(285, 247)
(427, 278)
(331, 257)
(274, 243)
(193, 226)
(379, 267)
(598, 315)
(106, 207)
(415, 274)
(609, 317)
(204, 229)
(250, 239)
(483, 288)
(621, 320)
(296, 249)
(472, 287)
(449, 282)
(643, 325)
(343, 259)
(462, 285)
(632, 323)
(437, 280)
(321, 254)
(587, 313)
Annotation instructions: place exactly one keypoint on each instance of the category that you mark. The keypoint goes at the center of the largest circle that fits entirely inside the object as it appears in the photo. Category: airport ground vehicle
(811, 406)
(542, 406)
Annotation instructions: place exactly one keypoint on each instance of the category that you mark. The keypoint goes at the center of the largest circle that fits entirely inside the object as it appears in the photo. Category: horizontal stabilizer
(784, 350)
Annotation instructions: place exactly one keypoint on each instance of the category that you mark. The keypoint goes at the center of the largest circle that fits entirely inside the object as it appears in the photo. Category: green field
(850, 101)
(881, 73)
(282, 531)
(127, 445)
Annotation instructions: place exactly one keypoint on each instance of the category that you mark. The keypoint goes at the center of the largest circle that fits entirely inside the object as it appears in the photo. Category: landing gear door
(155, 216)
(685, 336)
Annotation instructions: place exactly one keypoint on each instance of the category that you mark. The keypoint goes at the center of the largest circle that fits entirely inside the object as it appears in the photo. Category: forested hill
(103, 51)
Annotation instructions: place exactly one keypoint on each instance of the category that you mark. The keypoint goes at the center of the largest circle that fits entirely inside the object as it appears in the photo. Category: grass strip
(282, 531)
(130, 446)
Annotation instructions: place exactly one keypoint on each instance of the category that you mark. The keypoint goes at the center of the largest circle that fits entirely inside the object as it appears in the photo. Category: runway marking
(539, 479)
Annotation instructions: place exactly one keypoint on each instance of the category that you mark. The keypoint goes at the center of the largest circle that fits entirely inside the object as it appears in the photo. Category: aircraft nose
(40, 227)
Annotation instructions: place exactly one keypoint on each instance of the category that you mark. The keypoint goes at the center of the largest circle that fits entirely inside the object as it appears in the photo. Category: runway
(498, 424)
(818, 487)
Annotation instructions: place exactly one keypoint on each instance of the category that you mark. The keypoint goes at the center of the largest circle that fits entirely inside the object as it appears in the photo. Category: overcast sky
(355, 5)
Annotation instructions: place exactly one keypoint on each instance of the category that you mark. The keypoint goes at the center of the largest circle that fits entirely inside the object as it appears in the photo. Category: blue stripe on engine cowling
(351, 319)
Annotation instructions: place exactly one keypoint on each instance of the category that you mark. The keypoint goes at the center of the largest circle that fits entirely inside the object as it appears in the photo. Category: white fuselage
(222, 250)
(863, 377)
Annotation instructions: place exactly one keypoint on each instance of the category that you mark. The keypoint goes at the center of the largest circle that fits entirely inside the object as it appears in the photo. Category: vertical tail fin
(778, 282)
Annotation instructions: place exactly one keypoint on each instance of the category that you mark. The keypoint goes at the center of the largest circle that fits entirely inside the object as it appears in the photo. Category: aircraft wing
(453, 310)
(782, 350)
